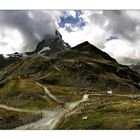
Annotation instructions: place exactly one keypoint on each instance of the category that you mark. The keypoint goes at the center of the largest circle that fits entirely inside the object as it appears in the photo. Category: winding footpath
(51, 118)
(48, 93)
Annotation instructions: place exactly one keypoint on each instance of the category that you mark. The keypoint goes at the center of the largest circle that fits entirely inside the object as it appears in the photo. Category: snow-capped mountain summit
(51, 44)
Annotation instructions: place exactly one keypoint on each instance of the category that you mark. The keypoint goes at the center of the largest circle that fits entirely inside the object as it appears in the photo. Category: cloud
(116, 32)
(71, 20)
(10, 40)
(112, 38)
(120, 23)
(89, 31)
(85, 34)
(30, 26)
(102, 25)
(119, 48)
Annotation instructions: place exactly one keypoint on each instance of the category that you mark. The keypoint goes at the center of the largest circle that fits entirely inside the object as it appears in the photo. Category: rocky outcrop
(51, 44)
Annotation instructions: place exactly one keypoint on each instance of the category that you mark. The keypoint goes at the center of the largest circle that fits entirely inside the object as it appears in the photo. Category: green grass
(71, 68)
(66, 94)
(105, 112)
(12, 119)
(69, 75)
(24, 93)
(21, 85)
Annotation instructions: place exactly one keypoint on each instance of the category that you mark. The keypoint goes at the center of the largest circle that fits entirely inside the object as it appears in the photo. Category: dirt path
(52, 117)
(48, 93)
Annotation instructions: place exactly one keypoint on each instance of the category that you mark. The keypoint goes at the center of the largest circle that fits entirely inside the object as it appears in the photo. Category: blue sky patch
(73, 21)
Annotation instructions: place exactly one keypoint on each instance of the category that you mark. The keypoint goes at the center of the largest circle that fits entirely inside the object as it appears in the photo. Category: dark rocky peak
(51, 44)
(92, 50)
(85, 46)
(57, 34)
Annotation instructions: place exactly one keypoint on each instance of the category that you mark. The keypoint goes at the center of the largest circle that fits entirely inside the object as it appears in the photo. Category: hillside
(49, 81)
(136, 67)
(88, 67)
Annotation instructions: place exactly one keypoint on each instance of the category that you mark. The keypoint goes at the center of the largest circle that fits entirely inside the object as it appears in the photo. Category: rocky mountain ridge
(51, 44)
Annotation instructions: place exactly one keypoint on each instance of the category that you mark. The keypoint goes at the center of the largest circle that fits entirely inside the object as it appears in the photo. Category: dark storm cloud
(95, 26)
(122, 24)
(119, 23)
(125, 25)
(33, 25)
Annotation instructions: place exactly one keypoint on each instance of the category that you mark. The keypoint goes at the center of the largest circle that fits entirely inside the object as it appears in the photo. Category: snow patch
(109, 91)
(44, 50)
(85, 97)
(85, 118)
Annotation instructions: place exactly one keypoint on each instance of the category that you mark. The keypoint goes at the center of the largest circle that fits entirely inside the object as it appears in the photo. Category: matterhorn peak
(51, 44)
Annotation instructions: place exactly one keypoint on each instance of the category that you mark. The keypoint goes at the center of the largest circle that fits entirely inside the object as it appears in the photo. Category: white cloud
(119, 48)
(20, 30)
(91, 33)
(103, 24)
(12, 41)
(68, 13)
(71, 13)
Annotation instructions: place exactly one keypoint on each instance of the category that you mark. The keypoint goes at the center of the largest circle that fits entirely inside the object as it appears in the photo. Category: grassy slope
(104, 112)
(12, 119)
(71, 68)
(68, 76)
(25, 93)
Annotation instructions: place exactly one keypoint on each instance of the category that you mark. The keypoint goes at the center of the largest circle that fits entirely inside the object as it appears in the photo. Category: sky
(115, 32)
